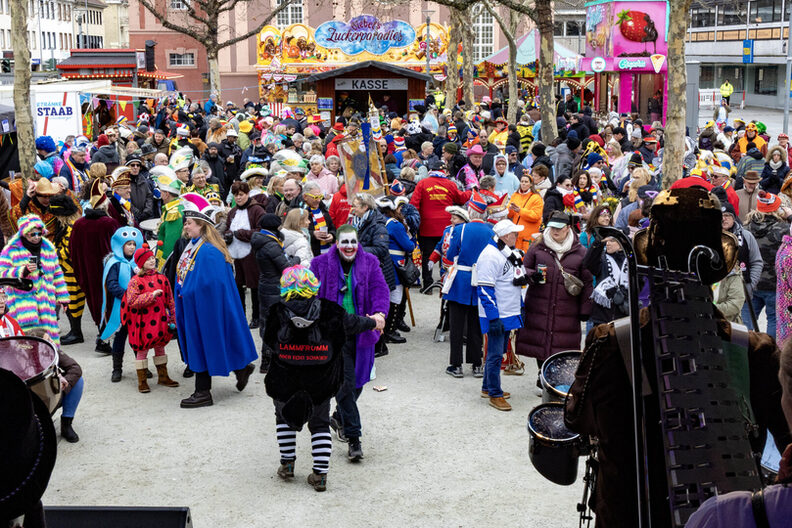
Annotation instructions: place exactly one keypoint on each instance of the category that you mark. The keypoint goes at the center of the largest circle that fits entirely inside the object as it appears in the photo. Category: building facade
(715, 40)
(116, 26)
(180, 54)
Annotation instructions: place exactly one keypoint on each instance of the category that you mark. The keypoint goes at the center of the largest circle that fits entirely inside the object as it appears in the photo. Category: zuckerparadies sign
(364, 33)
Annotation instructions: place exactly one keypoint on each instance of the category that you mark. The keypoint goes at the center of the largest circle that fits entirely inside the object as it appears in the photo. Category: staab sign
(371, 84)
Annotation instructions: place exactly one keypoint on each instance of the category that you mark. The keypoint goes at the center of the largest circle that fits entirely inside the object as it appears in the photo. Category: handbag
(408, 272)
(572, 284)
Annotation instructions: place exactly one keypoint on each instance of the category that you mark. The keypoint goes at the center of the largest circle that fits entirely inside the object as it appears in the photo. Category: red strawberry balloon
(637, 26)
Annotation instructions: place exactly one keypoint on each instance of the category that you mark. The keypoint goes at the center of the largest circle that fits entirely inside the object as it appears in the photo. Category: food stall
(626, 49)
(365, 50)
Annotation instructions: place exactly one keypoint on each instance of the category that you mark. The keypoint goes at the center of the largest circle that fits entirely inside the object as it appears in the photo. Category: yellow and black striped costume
(76, 295)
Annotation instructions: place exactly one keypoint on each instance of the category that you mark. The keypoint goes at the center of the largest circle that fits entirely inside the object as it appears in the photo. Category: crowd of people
(161, 227)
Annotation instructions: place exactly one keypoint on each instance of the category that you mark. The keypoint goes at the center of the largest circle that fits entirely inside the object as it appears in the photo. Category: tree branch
(163, 19)
(518, 7)
(253, 32)
(502, 23)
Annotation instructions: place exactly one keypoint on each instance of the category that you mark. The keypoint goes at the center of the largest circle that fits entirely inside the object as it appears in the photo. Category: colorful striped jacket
(36, 308)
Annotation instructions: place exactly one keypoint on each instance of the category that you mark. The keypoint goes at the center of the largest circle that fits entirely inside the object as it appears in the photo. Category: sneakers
(318, 481)
(478, 371)
(335, 425)
(506, 395)
(455, 372)
(355, 453)
(286, 469)
(500, 403)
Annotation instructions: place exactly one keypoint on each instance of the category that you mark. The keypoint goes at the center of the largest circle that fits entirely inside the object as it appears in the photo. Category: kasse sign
(371, 84)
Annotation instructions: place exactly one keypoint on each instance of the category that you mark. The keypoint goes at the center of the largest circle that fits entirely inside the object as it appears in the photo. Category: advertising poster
(56, 114)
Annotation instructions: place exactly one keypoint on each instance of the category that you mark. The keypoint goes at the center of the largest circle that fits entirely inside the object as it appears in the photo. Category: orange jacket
(529, 216)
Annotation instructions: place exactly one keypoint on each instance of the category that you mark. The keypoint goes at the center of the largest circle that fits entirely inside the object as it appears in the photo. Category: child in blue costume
(118, 269)
(215, 339)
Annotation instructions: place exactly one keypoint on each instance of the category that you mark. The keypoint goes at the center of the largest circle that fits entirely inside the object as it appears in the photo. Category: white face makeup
(348, 246)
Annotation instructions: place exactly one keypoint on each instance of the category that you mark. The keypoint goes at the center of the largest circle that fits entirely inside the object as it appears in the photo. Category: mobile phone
(33, 260)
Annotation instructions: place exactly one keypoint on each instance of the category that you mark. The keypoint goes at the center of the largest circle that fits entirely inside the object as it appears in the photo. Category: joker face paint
(347, 245)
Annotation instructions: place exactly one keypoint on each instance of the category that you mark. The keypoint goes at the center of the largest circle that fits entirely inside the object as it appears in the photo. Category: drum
(35, 361)
(554, 449)
(558, 374)
(151, 225)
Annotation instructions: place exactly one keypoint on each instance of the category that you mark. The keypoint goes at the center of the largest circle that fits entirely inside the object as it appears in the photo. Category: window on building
(178, 5)
(574, 29)
(181, 59)
(732, 15)
(766, 80)
(765, 11)
(291, 15)
(2, 39)
(702, 17)
(71, 42)
(483, 29)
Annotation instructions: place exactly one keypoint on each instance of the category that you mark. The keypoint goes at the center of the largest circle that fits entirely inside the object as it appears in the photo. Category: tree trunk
(452, 64)
(513, 83)
(214, 72)
(544, 74)
(467, 58)
(674, 146)
(26, 143)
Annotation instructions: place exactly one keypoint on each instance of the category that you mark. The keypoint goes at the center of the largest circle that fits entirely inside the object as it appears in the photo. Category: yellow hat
(245, 126)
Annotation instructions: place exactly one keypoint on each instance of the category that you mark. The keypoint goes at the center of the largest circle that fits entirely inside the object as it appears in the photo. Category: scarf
(552, 245)
(775, 165)
(583, 197)
(273, 236)
(320, 224)
(617, 277)
(358, 221)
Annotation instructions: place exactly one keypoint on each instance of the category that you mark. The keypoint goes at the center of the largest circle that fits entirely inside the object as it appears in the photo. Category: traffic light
(5, 66)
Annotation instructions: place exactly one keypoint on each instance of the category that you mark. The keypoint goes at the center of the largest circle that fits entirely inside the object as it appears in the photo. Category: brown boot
(161, 362)
(141, 365)
(500, 404)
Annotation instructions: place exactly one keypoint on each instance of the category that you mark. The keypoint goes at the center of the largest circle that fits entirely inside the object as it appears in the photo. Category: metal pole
(788, 73)
(428, 67)
(41, 37)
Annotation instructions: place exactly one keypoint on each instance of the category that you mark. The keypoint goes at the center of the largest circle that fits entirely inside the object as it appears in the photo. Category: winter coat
(564, 161)
(296, 245)
(551, 316)
(731, 297)
(753, 161)
(246, 270)
(162, 148)
(768, 233)
(467, 242)
(339, 207)
(595, 261)
(530, 216)
(316, 246)
(370, 293)
(34, 308)
(431, 197)
(145, 316)
(271, 262)
(783, 267)
(142, 197)
(553, 201)
(107, 154)
(400, 245)
(326, 180)
(772, 179)
(216, 165)
(373, 238)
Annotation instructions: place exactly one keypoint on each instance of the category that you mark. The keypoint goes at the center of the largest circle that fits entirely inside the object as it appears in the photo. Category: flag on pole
(365, 128)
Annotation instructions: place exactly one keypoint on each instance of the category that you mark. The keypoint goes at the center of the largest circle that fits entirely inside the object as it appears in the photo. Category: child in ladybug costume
(149, 314)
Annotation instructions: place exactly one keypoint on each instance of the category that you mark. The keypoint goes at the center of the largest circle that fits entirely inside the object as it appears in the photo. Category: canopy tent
(528, 53)
(9, 154)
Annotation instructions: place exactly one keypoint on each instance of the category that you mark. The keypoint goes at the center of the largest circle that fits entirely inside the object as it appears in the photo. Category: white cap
(232, 132)
(504, 227)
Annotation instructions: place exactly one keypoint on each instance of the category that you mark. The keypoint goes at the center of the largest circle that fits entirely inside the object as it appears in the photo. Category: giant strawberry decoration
(637, 26)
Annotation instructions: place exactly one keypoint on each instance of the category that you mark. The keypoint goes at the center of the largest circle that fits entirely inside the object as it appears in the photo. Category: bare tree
(674, 146)
(509, 31)
(24, 117)
(200, 20)
(452, 63)
(467, 54)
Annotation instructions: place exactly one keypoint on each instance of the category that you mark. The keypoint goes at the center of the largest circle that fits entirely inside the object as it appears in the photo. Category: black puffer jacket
(373, 237)
(271, 262)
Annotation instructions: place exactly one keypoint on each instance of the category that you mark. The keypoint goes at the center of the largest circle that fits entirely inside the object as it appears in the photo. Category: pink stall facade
(626, 49)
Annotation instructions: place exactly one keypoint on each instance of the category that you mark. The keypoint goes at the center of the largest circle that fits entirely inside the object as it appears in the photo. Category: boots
(318, 481)
(243, 376)
(75, 332)
(141, 365)
(103, 347)
(391, 335)
(161, 363)
(117, 362)
(198, 399)
(67, 433)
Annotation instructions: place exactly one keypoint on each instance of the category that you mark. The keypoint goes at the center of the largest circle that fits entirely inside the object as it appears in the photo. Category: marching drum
(557, 375)
(35, 361)
(554, 449)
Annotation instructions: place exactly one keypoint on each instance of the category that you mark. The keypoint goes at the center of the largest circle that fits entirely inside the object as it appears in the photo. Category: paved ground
(774, 119)
(435, 453)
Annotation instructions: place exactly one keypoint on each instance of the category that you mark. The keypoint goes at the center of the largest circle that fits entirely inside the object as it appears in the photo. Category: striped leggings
(321, 443)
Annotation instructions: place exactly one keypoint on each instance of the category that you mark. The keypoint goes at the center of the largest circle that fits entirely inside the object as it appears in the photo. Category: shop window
(483, 29)
(573, 29)
(766, 80)
(558, 29)
(181, 59)
(732, 14)
(291, 15)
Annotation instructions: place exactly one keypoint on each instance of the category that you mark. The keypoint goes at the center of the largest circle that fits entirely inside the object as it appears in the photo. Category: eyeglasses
(36, 234)
(134, 165)
(314, 196)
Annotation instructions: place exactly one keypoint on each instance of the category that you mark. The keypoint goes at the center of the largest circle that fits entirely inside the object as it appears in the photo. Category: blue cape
(122, 235)
(213, 332)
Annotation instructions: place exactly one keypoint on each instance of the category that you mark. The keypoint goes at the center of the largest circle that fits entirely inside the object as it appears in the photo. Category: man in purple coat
(353, 279)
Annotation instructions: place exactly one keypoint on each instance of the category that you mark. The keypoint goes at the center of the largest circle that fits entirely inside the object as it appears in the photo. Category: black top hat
(28, 446)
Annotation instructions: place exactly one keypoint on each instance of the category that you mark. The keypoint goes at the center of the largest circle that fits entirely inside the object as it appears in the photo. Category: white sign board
(370, 84)
(57, 114)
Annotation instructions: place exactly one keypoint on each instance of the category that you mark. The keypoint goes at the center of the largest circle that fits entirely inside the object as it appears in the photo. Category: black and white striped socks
(321, 447)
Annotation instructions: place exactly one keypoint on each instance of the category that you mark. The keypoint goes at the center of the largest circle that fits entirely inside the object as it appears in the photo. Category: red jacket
(339, 207)
(332, 147)
(431, 196)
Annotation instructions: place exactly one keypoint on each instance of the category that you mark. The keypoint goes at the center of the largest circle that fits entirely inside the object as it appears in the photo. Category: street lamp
(788, 75)
(427, 13)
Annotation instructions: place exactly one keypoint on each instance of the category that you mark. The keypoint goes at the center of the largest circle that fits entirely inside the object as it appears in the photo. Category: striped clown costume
(36, 308)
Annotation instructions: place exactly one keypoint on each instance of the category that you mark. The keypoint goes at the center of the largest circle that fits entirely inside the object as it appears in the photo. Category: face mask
(348, 246)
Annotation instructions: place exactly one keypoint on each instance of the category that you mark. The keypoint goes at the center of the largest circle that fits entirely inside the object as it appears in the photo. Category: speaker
(117, 517)
(150, 62)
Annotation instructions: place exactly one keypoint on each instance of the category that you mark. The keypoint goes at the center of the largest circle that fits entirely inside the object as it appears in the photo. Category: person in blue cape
(215, 339)
(118, 269)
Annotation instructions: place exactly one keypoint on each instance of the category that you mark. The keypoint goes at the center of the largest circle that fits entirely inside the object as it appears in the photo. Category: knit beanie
(767, 202)
(142, 254)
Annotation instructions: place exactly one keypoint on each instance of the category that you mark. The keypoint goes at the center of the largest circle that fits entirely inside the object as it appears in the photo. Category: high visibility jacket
(726, 89)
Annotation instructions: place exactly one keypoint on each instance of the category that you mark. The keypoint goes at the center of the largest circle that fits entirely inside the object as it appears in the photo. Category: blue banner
(748, 51)
(365, 129)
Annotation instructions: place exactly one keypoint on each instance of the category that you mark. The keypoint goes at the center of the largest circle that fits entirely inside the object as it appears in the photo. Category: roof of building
(368, 64)
(81, 58)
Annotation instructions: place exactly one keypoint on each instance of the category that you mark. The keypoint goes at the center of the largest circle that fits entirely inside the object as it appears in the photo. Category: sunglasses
(36, 234)
(314, 196)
